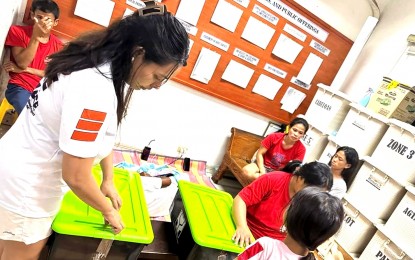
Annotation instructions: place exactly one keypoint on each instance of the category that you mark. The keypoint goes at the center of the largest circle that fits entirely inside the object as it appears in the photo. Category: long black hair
(352, 158)
(292, 166)
(312, 217)
(162, 36)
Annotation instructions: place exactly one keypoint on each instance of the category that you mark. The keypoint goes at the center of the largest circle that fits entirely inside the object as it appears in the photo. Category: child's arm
(243, 235)
(12, 67)
(24, 56)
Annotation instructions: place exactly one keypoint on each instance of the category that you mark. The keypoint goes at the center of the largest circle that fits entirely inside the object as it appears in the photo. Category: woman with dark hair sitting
(312, 217)
(343, 164)
(277, 149)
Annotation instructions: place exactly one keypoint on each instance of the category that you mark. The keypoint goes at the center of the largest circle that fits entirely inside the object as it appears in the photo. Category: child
(312, 217)
(30, 48)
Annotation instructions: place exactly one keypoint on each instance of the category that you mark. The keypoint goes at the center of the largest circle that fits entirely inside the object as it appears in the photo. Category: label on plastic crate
(179, 224)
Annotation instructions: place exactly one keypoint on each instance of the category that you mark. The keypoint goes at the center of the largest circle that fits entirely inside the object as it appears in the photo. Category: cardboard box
(394, 100)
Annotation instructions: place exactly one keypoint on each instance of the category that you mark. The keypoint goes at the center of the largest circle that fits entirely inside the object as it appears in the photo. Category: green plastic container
(80, 222)
(209, 214)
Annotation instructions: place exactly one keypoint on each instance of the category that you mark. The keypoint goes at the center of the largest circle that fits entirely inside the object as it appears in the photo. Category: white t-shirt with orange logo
(77, 115)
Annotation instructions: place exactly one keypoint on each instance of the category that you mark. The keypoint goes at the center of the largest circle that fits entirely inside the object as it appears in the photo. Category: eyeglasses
(152, 8)
(166, 78)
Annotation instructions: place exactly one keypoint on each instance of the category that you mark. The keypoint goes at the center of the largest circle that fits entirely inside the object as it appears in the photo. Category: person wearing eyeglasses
(71, 122)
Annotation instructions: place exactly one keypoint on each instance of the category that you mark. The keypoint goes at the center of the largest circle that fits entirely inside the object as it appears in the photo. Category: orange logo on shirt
(88, 125)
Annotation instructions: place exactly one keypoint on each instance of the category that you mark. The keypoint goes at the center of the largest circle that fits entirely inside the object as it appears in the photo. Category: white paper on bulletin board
(287, 49)
(292, 99)
(310, 68)
(88, 9)
(257, 32)
(238, 74)
(226, 15)
(189, 10)
(267, 87)
(205, 65)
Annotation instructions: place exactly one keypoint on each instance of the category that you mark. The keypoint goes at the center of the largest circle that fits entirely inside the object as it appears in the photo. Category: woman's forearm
(77, 174)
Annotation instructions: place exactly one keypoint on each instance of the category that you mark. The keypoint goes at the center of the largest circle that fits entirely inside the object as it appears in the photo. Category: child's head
(45, 6)
(314, 174)
(313, 216)
(345, 159)
(292, 166)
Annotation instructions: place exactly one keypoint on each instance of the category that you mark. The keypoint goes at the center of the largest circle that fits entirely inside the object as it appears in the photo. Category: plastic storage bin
(203, 223)
(396, 150)
(381, 246)
(357, 229)
(375, 191)
(80, 232)
(401, 223)
(362, 129)
(328, 109)
(329, 150)
(314, 141)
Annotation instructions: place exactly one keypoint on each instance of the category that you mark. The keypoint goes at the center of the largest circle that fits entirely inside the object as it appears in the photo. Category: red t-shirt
(19, 36)
(266, 199)
(277, 157)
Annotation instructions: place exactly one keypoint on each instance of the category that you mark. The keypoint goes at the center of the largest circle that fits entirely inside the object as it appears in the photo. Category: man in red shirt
(30, 47)
(258, 209)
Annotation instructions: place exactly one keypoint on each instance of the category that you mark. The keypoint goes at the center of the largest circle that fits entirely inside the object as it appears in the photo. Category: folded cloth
(152, 169)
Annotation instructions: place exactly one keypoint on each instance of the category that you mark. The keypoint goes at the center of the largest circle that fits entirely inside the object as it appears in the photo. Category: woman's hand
(113, 218)
(243, 237)
(109, 191)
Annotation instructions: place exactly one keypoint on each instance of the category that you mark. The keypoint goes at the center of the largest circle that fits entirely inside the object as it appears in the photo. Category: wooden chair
(241, 147)
(4, 108)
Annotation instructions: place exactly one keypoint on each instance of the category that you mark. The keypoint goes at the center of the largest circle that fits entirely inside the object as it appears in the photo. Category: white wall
(11, 11)
(354, 14)
(383, 48)
(178, 115)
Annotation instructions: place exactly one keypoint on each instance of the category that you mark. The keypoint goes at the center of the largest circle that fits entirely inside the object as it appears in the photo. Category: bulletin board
(331, 50)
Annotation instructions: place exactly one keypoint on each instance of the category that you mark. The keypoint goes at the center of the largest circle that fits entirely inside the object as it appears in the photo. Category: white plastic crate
(329, 150)
(357, 229)
(375, 191)
(396, 150)
(328, 109)
(381, 246)
(314, 141)
(362, 129)
(402, 221)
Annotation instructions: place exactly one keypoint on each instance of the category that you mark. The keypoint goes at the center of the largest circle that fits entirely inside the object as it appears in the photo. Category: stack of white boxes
(380, 204)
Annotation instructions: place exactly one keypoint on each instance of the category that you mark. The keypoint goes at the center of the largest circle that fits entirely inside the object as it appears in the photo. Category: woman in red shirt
(277, 149)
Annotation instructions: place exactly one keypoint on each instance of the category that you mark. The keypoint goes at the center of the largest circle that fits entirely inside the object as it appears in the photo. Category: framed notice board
(261, 51)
